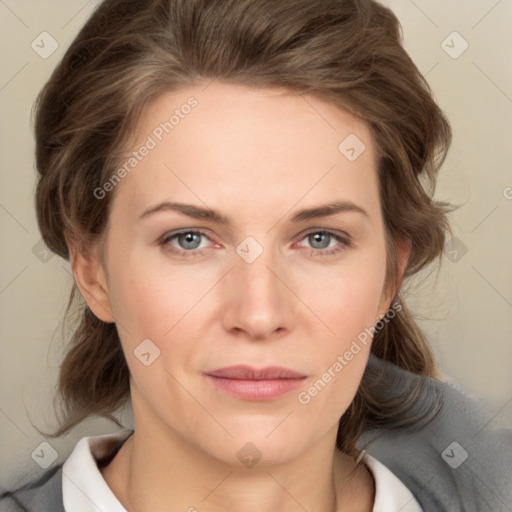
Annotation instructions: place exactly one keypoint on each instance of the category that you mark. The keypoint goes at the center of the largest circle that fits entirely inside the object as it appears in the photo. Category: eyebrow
(198, 212)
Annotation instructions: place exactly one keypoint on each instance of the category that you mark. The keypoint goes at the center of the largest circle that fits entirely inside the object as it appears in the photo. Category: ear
(90, 279)
(403, 249)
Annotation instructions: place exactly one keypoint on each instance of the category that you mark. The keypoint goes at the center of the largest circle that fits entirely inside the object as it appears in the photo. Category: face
(267, 286)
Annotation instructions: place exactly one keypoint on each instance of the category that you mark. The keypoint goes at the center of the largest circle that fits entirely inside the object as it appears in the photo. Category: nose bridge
(254, 268)
(259, 301)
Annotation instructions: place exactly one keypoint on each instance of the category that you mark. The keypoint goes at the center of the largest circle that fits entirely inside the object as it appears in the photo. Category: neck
(157, 469)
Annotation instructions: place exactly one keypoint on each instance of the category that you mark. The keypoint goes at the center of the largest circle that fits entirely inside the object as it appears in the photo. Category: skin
(257, 156)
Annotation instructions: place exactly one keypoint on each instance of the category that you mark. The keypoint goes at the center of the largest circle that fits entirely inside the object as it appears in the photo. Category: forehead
(252, 145)
(268, 115)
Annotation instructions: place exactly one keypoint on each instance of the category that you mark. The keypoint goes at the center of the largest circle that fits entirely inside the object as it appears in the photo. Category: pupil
(189, 239)
(318, 236)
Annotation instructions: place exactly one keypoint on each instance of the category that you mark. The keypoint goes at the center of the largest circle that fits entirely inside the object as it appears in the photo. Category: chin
(254, 449)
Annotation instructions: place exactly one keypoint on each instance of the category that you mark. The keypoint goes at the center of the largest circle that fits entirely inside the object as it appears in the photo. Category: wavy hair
(347, 52)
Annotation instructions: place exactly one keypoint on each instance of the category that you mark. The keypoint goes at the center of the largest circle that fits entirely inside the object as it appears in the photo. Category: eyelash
(345, 242)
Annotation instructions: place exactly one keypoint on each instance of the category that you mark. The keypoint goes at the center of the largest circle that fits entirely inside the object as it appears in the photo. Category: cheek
(151, 304)
(346, 299)
(348, 304)
(150, 294)
(341, 355)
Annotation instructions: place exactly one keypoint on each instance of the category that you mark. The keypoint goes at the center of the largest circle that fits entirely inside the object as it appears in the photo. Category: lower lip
(256, 389)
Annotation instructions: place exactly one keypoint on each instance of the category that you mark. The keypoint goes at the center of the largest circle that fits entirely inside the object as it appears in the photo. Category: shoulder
(80, 471)
(40, 495)
(390, 492)
(456, 461)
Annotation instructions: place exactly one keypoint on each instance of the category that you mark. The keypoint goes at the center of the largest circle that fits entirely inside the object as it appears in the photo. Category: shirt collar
(83, 486)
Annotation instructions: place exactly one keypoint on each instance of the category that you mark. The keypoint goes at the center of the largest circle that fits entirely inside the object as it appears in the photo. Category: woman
(239, 187)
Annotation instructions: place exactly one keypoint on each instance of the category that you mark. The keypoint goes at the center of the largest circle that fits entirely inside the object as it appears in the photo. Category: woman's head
(254, 109)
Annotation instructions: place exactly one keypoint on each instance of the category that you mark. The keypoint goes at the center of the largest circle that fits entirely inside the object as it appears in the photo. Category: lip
(255, 384)
(249, 373)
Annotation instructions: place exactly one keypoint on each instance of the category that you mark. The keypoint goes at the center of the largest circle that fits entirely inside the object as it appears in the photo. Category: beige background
(465, 306)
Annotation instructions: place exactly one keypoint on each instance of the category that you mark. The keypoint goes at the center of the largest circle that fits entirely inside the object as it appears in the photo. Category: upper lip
(244, 372)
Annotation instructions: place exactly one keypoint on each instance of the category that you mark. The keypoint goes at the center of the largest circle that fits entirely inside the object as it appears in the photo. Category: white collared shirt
(85, 490)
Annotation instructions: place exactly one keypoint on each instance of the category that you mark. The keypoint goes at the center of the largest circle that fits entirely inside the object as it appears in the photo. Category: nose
(258, 302)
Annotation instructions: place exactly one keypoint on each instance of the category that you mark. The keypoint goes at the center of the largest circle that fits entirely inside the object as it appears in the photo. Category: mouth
(254, 384)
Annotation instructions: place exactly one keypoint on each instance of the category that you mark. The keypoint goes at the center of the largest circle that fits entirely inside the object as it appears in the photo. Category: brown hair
(348, 52)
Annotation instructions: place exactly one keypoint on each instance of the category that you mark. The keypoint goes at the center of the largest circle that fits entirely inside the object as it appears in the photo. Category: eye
(188, 242)
(325, 242)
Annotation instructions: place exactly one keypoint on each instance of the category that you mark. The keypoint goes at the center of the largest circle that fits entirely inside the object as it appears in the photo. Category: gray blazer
(456, 462)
